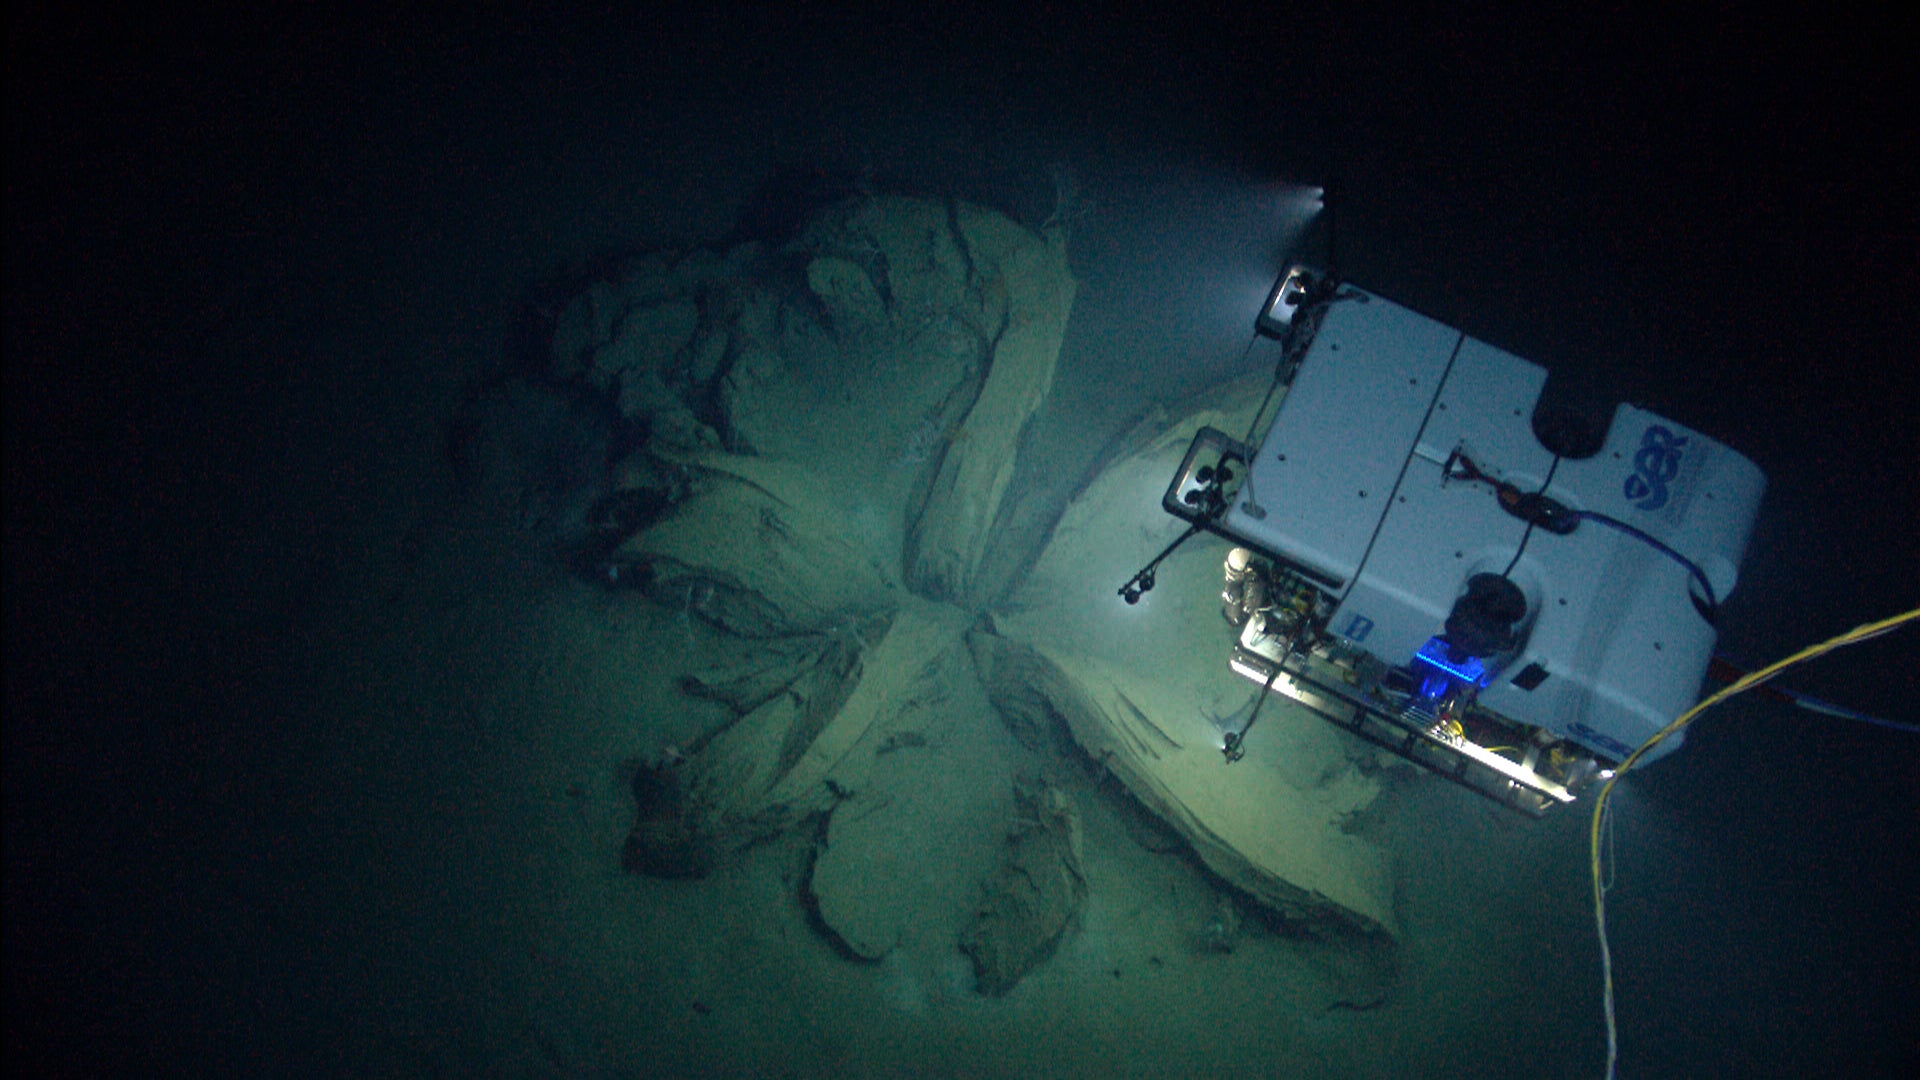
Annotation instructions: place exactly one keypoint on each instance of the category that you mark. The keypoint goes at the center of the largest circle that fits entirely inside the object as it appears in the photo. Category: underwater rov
(1433, 559)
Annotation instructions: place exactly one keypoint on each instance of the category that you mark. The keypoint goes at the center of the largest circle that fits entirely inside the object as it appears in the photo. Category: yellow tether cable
(1746, 682)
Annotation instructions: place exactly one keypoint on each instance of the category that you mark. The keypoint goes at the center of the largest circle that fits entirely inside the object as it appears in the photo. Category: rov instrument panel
(1433, 559)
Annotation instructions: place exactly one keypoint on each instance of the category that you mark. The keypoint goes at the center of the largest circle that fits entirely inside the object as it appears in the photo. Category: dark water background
(251, 259)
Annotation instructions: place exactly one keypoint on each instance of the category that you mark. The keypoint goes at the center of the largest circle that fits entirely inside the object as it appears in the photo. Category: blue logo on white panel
(1655, 465)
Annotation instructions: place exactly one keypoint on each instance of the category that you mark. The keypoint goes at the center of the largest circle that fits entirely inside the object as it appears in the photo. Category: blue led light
(1434, 655)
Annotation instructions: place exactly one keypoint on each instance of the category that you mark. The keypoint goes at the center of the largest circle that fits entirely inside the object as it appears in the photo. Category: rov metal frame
(1355, 699)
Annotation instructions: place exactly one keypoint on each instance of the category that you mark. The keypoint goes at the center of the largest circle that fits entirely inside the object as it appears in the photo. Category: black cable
(1234, 744)
(1272, 385)
(1300, 334)
(1528, 535)
(1366, 554)
(1524, 537)
(1461, 467)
